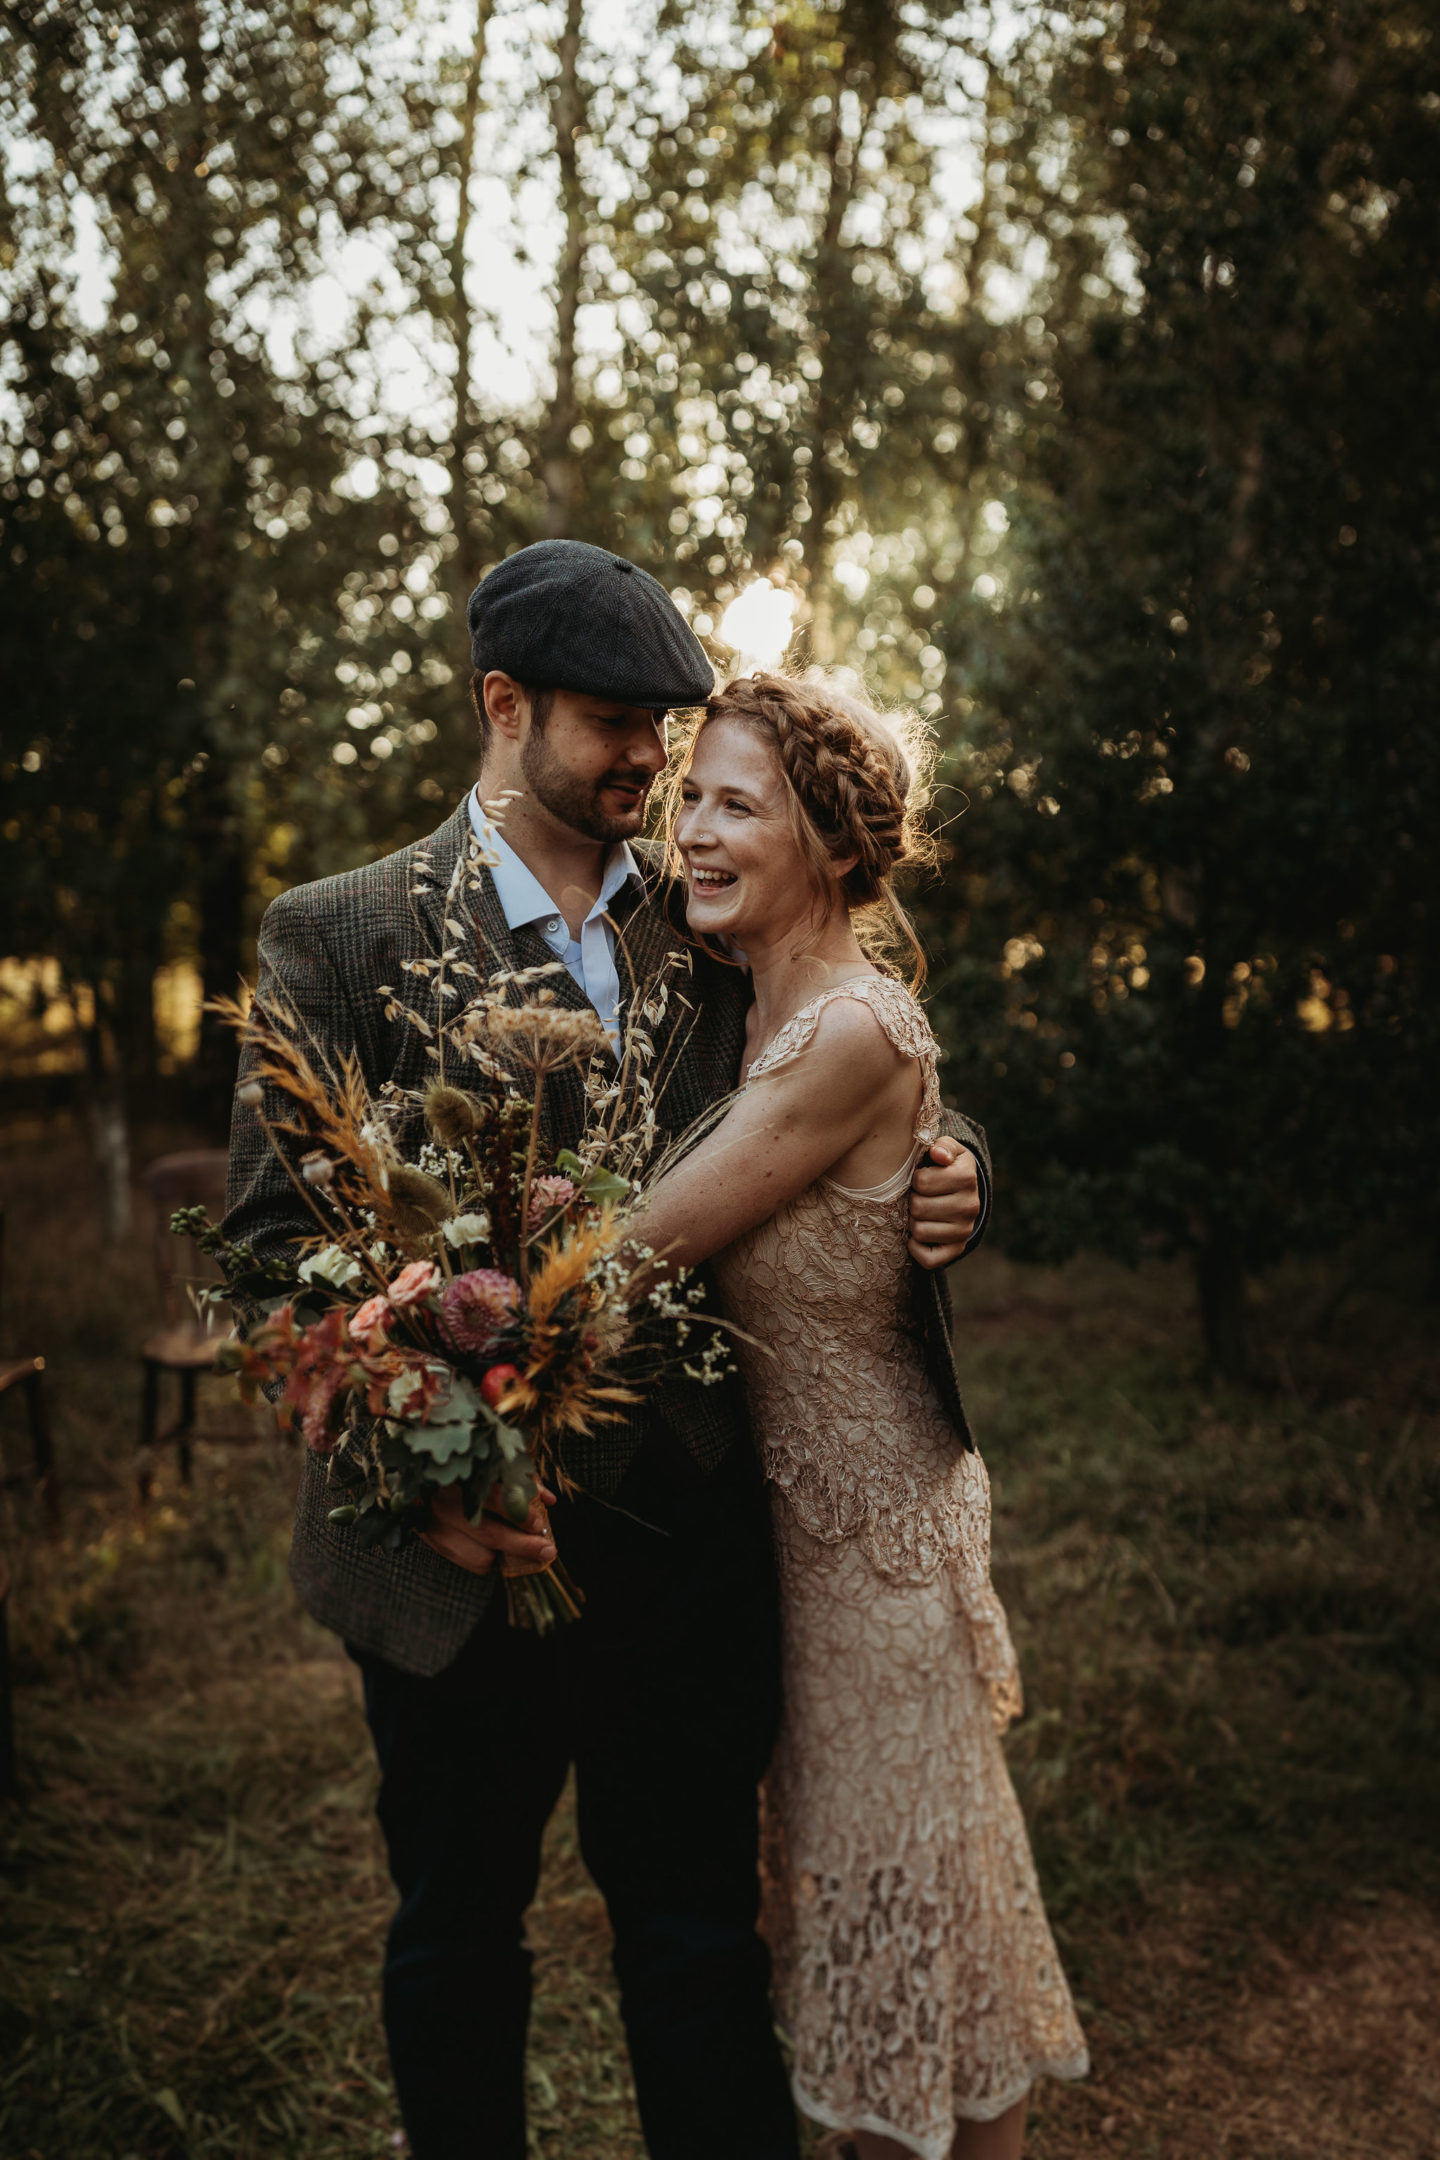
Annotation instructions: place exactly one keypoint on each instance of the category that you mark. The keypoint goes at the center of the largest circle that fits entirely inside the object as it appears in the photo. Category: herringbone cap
(561, 615)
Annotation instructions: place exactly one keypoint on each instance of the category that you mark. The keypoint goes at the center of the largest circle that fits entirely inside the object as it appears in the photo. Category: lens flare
(759, 624)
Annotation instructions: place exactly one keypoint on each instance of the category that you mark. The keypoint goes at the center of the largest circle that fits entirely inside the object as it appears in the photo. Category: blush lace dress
(915, 1970)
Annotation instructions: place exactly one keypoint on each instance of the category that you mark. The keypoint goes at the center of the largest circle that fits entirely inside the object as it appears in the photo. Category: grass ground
(1226, 1607)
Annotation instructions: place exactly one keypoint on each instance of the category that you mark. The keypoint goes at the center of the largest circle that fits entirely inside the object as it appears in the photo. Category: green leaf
(596, 1182)
(603, 1185)
(450, 1473)
(168, 2101)
(441, 1442)
(511, 1445)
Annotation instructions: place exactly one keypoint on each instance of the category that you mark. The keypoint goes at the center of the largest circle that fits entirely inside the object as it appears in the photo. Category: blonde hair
(856, 783)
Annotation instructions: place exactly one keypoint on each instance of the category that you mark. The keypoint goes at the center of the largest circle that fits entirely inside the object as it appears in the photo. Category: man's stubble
(571, 800)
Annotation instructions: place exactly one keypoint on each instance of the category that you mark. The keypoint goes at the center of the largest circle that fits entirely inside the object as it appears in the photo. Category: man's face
(594, 763)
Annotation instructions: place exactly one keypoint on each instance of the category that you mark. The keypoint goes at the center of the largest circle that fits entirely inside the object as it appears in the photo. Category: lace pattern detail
(915, 1968)
(901, 1017)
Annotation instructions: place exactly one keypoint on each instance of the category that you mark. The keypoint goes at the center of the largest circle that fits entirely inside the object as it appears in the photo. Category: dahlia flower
(547, 1196)
(476, 1306)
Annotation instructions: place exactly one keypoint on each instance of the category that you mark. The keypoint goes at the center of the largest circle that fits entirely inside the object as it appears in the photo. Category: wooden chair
(28, 1374)
(7, 1713)
(181, 1344)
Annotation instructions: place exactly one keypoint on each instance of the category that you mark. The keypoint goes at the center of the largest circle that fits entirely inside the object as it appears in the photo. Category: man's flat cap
(561, 615)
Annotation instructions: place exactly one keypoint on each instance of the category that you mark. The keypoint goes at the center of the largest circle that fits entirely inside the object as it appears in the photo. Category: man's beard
(575, 802)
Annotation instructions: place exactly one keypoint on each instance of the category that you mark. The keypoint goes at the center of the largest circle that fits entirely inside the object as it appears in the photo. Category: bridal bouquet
(454, 1316)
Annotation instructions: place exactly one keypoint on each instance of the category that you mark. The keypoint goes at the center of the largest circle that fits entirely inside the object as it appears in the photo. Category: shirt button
(552, 927)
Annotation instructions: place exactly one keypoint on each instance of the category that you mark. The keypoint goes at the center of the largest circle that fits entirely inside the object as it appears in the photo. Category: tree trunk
(221, 873)
(830, 277)
(466, 566)
(219, 851)
(108, 1125)
(1220, 1278)
(559, 462)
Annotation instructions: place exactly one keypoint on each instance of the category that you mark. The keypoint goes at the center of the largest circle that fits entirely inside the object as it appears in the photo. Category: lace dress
(915, 1969)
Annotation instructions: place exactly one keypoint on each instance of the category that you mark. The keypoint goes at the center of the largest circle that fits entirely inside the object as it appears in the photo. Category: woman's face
(745, 876)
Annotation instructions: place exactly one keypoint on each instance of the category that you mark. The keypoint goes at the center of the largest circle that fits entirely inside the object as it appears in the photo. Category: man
(664, 1697)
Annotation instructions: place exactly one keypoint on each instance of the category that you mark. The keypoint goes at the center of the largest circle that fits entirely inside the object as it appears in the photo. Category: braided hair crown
(857, 784)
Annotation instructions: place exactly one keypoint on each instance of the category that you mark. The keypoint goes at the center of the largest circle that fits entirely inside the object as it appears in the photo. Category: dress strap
(899, 1014)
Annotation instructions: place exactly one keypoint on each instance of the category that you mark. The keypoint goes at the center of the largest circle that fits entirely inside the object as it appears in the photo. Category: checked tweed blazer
(324, 951)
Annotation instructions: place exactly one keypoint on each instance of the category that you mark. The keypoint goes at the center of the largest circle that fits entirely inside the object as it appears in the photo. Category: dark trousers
(664, 1696)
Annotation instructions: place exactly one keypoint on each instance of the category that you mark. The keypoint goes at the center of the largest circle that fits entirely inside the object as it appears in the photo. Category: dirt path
(1215, 2045)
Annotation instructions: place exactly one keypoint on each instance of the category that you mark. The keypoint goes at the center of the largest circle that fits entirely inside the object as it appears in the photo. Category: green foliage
(1201, 944)
(181, 583)
(1073, 370)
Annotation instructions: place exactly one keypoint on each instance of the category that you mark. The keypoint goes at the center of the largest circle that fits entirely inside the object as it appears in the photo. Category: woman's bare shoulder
(839, 1032)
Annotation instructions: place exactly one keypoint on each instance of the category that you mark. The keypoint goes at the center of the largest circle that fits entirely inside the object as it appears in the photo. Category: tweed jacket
(325, 949)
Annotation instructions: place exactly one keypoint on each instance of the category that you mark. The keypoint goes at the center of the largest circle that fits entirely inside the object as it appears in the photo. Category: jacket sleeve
(972, 1136)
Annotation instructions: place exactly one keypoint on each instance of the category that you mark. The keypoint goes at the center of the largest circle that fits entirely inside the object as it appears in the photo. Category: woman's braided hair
(856, 789)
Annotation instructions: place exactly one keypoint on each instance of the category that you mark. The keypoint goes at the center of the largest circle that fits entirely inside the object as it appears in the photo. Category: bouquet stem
(545, 1600)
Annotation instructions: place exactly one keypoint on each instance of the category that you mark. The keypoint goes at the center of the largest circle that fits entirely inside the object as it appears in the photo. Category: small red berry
(496, 1382)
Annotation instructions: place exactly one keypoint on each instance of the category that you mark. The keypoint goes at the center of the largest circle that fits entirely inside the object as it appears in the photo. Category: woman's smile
(745, 875)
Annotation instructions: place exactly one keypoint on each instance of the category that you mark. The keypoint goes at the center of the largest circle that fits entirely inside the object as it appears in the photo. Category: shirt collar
(523, 899)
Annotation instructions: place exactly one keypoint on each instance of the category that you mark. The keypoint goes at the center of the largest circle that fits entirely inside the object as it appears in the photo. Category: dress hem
(1077, 2066)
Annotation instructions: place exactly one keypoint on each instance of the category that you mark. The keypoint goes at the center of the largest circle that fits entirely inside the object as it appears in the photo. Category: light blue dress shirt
(590, 958)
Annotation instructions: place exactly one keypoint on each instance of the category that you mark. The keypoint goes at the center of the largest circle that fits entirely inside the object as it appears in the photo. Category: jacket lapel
(474, 900)
(644, 939)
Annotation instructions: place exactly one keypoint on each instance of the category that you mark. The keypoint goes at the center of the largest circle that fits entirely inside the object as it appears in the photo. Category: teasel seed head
(419, 1202)
(450, 1114)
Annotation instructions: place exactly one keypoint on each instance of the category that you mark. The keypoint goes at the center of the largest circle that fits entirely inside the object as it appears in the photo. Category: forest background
(1072, 368)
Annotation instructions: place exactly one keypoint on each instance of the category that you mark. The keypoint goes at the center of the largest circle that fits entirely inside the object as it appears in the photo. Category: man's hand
(525, 1551)
(944, 1205)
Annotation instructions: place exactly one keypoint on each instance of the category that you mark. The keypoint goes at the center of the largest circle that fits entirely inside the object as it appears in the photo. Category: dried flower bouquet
(454, 1317)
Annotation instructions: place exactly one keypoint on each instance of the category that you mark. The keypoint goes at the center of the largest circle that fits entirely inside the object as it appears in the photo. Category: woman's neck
(788, 970)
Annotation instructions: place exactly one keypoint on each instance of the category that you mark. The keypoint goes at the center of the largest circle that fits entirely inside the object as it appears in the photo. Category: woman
(915, 1969)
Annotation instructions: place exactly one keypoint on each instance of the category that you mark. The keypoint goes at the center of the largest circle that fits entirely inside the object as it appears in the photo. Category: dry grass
(1226, 1609)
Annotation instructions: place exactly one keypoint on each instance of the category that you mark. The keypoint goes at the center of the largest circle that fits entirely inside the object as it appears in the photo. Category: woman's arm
(782, 1132)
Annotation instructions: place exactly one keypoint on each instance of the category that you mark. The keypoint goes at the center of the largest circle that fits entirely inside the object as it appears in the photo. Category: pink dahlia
(476, 1307)
(547, 1196)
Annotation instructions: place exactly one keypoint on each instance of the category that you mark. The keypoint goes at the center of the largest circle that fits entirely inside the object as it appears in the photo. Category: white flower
(466, 1230)
(334, 1266)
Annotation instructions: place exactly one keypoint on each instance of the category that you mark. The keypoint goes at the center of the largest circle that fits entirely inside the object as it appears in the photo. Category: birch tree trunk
(559, 462)
(105, 1116)
(466, 564)
(829, 277)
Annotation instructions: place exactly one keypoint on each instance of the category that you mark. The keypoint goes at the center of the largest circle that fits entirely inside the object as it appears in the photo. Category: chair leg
(187, 1424)
(149, 1419)
(8, 1781)
(45, 1483)
(149, 1404)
